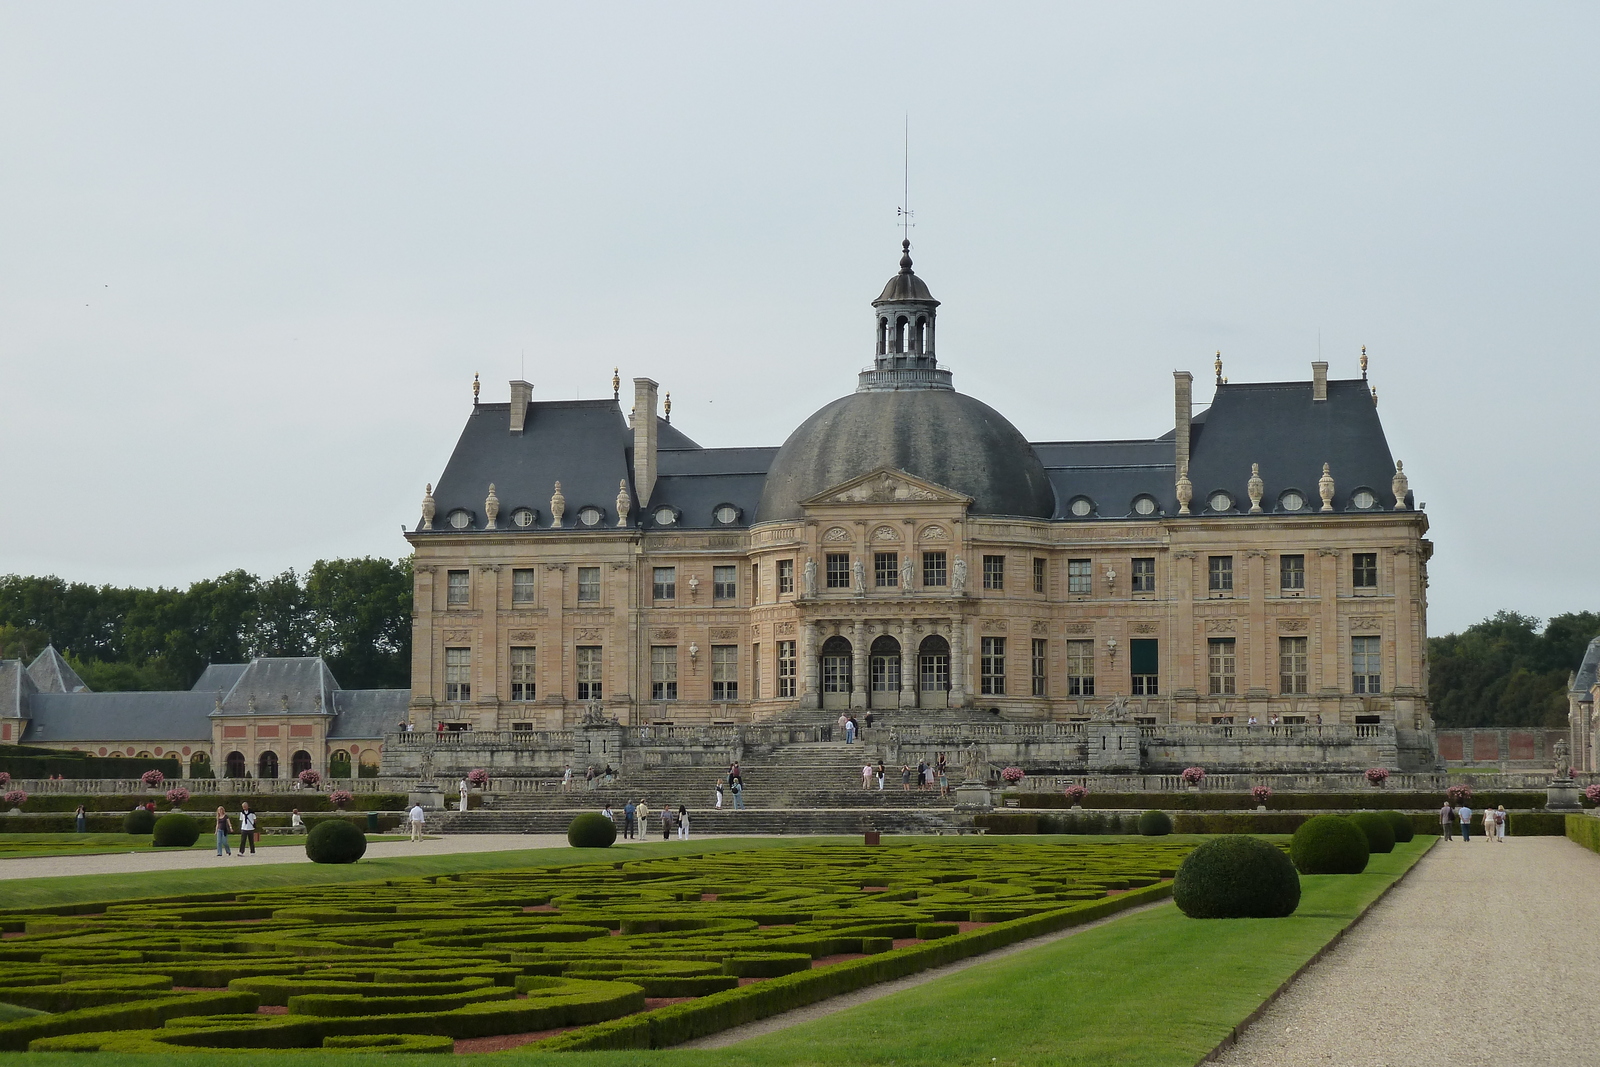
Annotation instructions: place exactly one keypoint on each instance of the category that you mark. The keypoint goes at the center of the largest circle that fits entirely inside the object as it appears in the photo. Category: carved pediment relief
(886, 485)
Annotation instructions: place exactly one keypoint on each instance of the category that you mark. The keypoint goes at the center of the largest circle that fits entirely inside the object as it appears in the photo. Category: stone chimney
(1183, 414)
(644, 439)
(521, 397)
(1319, 380)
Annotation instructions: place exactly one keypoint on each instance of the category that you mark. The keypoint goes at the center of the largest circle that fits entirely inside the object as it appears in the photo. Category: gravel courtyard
(1485, 955)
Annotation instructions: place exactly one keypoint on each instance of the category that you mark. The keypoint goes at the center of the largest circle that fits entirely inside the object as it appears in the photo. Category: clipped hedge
(1400, 826)
(15, 1036)
(1236, 877)
(1204, 801)
(1155, 823)
(1536, 824)
(138, 822)
(335, 841)
(1329, 844)
(1583, 829)
(175, 830)
(26, 761)
(591, 830)
(202, 800)
(1379, 834)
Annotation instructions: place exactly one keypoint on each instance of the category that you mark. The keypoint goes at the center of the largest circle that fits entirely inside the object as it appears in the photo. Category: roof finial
(1363, 362)
(1218, 366)
(616, 382)
(904, 211)
(1374, 396)
(667, 407)
(474, 389)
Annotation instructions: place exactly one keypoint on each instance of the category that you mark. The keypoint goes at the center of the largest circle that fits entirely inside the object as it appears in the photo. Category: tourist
(683, 823)
(922, 775)
(866, 776)
(666, 823)
(881, 774)
(905, 777)
(852, 729)
(81, 817)
(719, 794)
(247, 828)
(1446, 816)
(869, 720)
(461, 787)
(418, 817)
(844, 722)
(1464, 813)
(566, 778)
(296, 823)
(944, 780)
(738, 795)
(438, 729)
(1500, 820)
(588, 777)
(606, 811)
(224, 828)
(940, 765)
(735, 773)
(628, 813)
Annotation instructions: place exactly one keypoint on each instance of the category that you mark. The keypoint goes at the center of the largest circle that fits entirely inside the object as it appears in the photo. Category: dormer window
(523, 517)
(1363, 498)
(1220, 501)
(590, 516)
(1144, 505)
(1081, 507)
(726, 514)
(665, 516)
(1291, 500)
(460, 519)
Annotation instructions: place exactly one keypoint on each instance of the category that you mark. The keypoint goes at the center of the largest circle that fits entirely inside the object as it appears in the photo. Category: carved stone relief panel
(885, 533)
(1366, 622)
(724, 633)
(1294, 626)
(524, 635)
(784, 628)
(994, 626)
(586, 635)
(663, 635)
(1221, 626)
(1041, 627)
(1143, 628)
(1079, 628)
(934, 533)
(459, 637)
(836, 535)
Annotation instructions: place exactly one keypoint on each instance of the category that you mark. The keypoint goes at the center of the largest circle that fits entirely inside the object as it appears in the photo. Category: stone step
(706, 821)
(697, 793)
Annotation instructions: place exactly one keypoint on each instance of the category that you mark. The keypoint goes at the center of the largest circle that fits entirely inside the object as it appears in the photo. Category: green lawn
(74, 889)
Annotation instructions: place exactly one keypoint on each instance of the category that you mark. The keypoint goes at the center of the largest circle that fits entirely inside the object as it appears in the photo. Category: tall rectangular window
(1222, 667)
(724, 583)
(665, 583)
(1144, 664)
(1080, 668)
(1144, 574)
(1366, 671)
(459, 589)
(724, 672)
(885, 569)
(589, 672)
(786, 668)
(935, 571)
(1291, 573)
(588, 585)
(1221, 574)
(522, 586)
(458, 674)
(994, 572)
(522, 680)
(992, 667)
(838, 570)
(1080, 577)
(663, 672)
(1364, 570)
(1038, 574)
(1041, 667)
(785, 577)
(755, 672)
(1293, 665)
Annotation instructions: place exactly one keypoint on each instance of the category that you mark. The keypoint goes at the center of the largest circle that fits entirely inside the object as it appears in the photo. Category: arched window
(883, 668)
(234, 765)
(369, 764)
(300, 761)
(919, 338)
(902, 334)
(838, 672)
(145, 755)
(339, 764)
(883, 335)
(267, 765)
(200, 765)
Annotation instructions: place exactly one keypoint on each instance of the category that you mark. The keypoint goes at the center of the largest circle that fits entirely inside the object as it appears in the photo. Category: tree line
(1507, 671)
(355, 613)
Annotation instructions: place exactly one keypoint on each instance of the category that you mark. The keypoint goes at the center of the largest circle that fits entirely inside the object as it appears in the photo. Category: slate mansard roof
(278, 686)
(587, 446)
(1588, 673)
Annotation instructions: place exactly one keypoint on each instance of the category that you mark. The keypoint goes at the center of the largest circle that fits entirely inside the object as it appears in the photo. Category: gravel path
(1485, 955)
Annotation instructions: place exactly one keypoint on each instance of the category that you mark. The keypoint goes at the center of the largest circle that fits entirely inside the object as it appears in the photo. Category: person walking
(1447, 815)
(738, 795)
(866, 776)
(719, 794)
(683, 823)
(881, 773)
(418, 818)
(224, 828)
(628, 813)
(81, 819)
(1464, 813)
(566, 779)
(922, 775)
(666, 823)
(462, 788)
(247, 829)
(851, 730)
(588, 777)
(1500, 821)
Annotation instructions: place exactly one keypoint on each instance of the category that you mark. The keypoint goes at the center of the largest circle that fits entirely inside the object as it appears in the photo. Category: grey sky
(250, 257)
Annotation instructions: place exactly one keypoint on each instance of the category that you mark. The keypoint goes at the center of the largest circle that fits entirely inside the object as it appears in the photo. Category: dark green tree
(1506, 671)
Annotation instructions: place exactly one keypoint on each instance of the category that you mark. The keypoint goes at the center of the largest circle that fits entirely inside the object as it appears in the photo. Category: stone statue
(958, 579)
(1117, 710)
(858, 571)
(810, 575)
(977, 765)
(1563, 765)
(905, 573)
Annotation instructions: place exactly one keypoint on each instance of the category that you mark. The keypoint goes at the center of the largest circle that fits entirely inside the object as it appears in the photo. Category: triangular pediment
(886, 485)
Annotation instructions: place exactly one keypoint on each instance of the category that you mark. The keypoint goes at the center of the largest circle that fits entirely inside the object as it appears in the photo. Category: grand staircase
(800, 788)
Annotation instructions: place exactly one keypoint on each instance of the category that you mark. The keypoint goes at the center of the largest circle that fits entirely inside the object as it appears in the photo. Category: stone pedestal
(430, 799)
(974, 797)
(1562, 795)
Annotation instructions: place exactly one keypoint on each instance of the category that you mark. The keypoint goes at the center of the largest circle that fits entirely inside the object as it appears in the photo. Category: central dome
(939, 435)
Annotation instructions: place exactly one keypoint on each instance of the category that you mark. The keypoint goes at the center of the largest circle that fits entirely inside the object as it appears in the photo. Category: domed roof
(939, 435)
(905, 287)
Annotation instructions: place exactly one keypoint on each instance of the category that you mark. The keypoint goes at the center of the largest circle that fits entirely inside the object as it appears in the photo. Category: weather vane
(904, 210)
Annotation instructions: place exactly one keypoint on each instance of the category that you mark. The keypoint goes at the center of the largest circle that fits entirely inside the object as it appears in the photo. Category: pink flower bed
(1458, 794)
(16, 798)
(340, 797)
(1261, 793)
(1194, 775)
(310, 779)
(177, 795)
(1076, 793)
(1013, 775)
(152, 779)
(1377, 775)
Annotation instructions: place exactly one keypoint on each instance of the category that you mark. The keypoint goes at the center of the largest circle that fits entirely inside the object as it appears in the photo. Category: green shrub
(176, 830)
(1585, 830)
(1236, 877)
(1185, 800)
(1380, 834)
(1400, 826)
(1155, 823)
(335, 841)
(388, 1042)
(931, 931)
(1535, 824)
(1329, 844)
(1238, 822)
(139, 821)
(591, 830)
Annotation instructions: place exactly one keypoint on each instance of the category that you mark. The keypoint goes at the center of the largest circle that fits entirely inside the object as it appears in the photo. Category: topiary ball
(335, 841)
(1403, 830)
(1236, 877)
(1329, 844)
(1155, 824)
(139, 821)
(176, 830)
(591, 830)
(1380, 835)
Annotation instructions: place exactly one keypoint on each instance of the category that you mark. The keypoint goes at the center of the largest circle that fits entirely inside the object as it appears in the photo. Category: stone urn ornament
(558, 507)
(1325, 488)
(1255, 487)
(1185, 489)
(428, 506)
(491, 506)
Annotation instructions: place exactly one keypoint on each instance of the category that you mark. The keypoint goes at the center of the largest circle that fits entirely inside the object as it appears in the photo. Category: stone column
(908, 665)
(958, 662)
(811, 692)
(858, 669)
